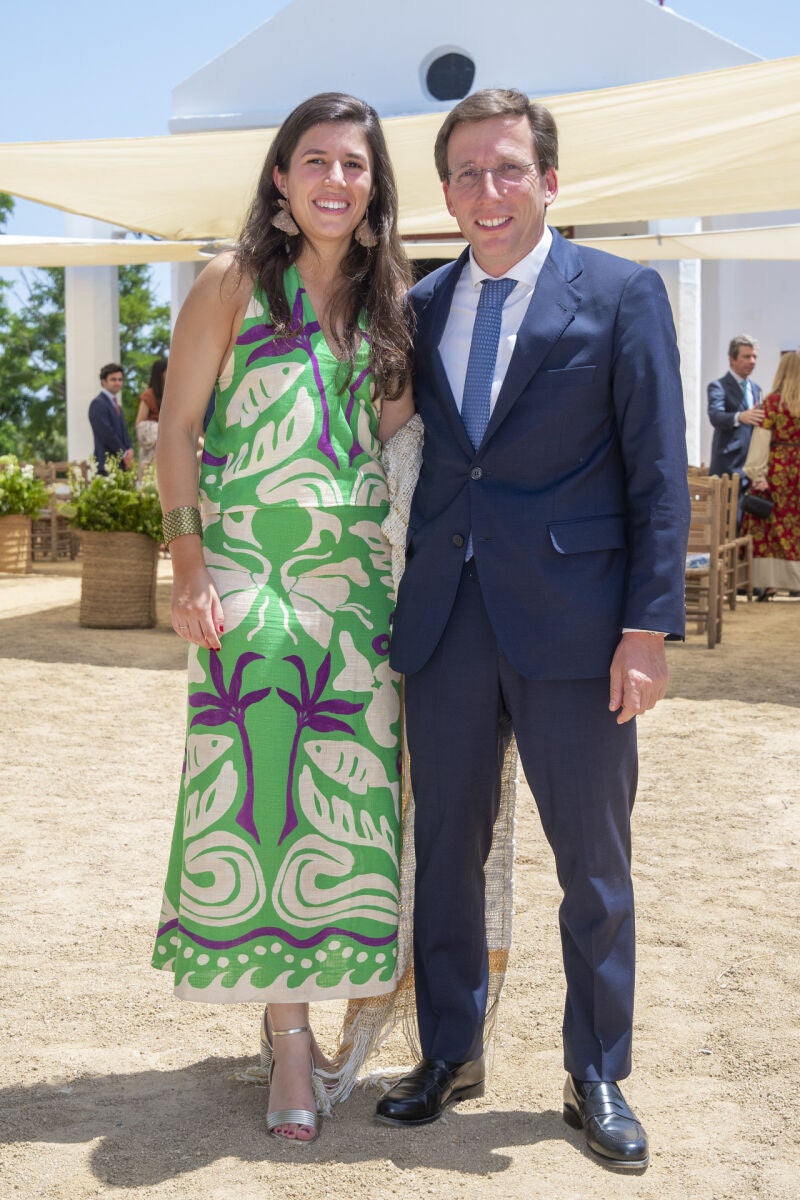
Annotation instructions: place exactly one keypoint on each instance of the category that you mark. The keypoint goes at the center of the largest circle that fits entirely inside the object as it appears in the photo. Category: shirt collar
(525, 271)
(110, 395)
(740, 379)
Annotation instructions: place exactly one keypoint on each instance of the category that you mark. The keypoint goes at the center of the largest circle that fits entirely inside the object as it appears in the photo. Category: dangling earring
(284, 220)
(365, 234)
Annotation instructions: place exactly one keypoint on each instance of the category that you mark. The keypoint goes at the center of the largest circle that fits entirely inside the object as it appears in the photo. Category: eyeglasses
(467, 179)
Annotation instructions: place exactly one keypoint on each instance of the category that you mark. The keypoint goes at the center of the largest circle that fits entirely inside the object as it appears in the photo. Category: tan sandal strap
(284, 1032)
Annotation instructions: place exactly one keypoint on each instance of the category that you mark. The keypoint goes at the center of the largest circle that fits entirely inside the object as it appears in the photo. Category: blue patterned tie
(482, 359)
(483, 356)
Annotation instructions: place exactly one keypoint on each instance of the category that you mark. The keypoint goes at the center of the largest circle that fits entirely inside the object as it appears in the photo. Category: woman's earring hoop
(284, 220)
(365, 234)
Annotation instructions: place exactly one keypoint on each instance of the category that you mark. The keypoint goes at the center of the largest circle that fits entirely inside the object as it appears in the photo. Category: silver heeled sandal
(329, 1081)
(289, 1116)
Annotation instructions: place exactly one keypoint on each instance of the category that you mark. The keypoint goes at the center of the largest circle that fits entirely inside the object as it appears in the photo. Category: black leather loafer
(418, 1098)
(612, 1131)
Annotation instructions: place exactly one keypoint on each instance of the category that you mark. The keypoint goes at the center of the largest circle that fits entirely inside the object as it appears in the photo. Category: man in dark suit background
(107, 420)
(734, 408)
(544, 567)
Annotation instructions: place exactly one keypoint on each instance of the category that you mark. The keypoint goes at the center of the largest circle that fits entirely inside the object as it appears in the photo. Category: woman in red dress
(773, 467)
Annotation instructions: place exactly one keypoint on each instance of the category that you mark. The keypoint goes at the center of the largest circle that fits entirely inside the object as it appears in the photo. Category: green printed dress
(282, 882)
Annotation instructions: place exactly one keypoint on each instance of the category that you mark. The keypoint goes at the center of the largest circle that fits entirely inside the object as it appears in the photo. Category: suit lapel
(550, 311)
(435, 320)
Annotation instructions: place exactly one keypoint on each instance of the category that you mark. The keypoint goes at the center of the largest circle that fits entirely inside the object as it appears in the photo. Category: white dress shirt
(457, 336)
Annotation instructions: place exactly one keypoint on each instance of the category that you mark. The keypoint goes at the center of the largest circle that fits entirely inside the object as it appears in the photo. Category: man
(108, 421)
(545, 552)
(733, 408)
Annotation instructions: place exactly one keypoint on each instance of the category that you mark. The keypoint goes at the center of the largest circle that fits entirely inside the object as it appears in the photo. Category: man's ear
(446, 190)
(550, 185)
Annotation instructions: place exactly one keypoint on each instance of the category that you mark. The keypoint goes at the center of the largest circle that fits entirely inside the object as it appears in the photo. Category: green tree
(32, 354)
(13, 361)
(143, 333)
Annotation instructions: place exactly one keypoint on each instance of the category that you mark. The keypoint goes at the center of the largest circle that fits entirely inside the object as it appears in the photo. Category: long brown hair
(373, 279)
(787, 381)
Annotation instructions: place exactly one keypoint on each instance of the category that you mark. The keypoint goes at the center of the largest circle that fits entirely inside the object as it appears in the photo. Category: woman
(283, 879)
(147, 414)
(773, 468)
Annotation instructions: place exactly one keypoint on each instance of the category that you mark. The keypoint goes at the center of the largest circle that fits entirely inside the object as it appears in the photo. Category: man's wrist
(648, 632)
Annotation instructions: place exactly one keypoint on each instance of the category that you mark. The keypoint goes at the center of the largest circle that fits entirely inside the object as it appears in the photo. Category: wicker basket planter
(118, 584)
(15, 545)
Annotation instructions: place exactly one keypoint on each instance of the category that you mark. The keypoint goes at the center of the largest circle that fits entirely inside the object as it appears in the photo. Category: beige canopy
(721, 142)
(17, 251)
(776, 242)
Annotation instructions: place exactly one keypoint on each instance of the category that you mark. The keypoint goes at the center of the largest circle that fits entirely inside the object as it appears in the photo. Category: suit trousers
(582, 768)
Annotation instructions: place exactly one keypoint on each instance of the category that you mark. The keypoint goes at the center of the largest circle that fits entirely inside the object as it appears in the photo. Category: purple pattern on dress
(213, 460)
(228, 705)
(312, 713)
(352, 388)
(271, 931)
(276, 347)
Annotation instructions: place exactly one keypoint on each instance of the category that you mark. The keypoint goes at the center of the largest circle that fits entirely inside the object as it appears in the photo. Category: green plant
(114, 503)
(21, 493)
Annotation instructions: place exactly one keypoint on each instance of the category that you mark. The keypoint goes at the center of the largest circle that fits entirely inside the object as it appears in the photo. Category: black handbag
(757, 506)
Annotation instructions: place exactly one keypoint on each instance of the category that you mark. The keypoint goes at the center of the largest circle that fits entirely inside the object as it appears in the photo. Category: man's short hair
(110, 369)
(741, 339)
(501, 102)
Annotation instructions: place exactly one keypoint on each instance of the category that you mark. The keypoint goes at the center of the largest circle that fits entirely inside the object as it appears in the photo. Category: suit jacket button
(458, 540)
(476, 473)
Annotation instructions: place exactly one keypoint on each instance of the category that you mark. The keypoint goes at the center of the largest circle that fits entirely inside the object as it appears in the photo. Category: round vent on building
(450, 76)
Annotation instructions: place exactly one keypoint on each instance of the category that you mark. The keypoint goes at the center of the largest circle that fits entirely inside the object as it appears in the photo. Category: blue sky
(102, 69)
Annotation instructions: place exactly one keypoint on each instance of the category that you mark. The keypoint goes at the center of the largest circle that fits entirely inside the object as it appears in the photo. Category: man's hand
(638, 675)
(752, 416)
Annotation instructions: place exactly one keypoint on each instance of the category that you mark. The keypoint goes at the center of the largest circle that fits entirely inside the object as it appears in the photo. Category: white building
(422, 57)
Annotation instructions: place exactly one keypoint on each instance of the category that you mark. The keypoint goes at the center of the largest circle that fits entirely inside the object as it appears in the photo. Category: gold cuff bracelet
(181, 520)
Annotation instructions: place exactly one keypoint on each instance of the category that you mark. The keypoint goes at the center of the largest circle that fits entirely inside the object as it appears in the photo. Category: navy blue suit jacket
(731, 441)
(577, 497)
(109, 428)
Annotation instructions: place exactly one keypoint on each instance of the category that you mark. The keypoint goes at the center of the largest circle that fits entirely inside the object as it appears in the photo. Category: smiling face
(329, 181)
(502, 221)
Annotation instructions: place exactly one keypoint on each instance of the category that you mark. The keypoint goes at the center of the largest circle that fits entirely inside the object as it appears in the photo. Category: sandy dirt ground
(110, 1087)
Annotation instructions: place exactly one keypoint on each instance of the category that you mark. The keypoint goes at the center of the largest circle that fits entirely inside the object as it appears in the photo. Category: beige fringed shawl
(368, 1022)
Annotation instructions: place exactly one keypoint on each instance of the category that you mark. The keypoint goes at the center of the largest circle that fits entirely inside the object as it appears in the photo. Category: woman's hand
(759, 485)
(196, 608)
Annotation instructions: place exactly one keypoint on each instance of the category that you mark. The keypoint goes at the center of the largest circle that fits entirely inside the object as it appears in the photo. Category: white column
(91, 309)
(684, 285)
(182, 276)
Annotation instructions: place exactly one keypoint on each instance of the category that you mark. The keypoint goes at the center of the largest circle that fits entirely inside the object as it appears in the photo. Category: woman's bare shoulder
(223, 282)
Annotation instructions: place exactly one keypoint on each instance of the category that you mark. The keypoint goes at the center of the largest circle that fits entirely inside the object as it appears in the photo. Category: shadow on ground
(154, 1126)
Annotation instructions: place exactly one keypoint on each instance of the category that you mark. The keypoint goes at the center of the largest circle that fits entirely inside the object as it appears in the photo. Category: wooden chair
(52, 536)
(705, 557)
(737, 548)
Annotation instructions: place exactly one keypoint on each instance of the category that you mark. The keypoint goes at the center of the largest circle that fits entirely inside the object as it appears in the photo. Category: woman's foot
(321, 1062)
(768, 593)
(292, 1109)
